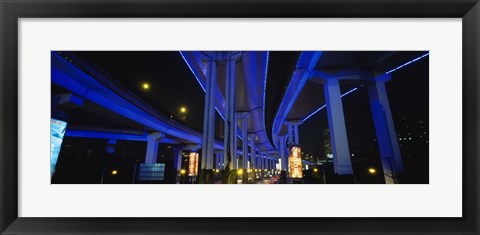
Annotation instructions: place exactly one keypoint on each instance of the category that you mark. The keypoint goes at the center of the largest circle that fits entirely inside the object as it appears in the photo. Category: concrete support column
(386, 135)
(297, 141)
(261, 161)
(290, 134)
(209, 114)
(283, 158)
(251, 139)
(264, 160)
(338, 132)
(178, 159)
(293, 131)
(244, 120)
(215, 161)
(219, 162)
(111, 146)
(230, 135)
(220, 159)
(256, 157)
(152, 147)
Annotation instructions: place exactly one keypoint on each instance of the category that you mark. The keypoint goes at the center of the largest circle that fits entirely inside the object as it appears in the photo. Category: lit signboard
(295, 162)
(193, 164)
(151, 172)
(57, 131)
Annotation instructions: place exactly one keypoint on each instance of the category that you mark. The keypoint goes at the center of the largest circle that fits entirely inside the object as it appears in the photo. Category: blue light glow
(199, 82)
(323, 106)
(194, 74)
(265, 93)
(409, 62)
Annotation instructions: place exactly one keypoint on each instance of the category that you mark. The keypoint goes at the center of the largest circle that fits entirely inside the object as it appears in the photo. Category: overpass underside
(241, 140)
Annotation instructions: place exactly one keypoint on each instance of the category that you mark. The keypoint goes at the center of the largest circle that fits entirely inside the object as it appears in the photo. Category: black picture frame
(12, 10)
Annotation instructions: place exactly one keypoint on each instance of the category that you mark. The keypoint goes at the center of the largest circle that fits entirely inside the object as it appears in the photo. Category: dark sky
(172, 85)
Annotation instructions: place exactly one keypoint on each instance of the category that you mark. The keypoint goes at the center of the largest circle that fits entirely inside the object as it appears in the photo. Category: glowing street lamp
(372, 170)
(315, 169)
(182, 113)
(145, 86)
(182, 171)
(240, 172)
(114, 172)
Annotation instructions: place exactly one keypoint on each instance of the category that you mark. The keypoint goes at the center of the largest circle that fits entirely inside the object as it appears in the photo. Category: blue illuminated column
(111, 146)
(260, 163)
(251, 139)
(283, 158)
(218, 159)
(293, 131)
(152, 147)
(215, 161)
(244, 120)
(267, 162)
(264, 161)
(338, 132)
(178, 159)
(230, 130)
(290, 134)
(222, 162)
(257, 159)
(209, 112)
(385, 129)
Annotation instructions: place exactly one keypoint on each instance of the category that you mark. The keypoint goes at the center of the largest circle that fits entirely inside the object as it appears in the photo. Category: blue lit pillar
(251, 139)
(244, 120)
(386, 135)
(111, 146)
(283, 158)
(290, 134)
(152, 147)
(230, 130)
(215, 161)
(257, 159)
(209, 113)
(260, 161)
(293, 132)
(178, 159)
(218, 159)
(338, 132)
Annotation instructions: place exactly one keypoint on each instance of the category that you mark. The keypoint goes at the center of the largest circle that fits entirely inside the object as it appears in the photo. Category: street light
(240, 172)
(372, 170)
(182, 172)
(315, 169)
(182, 113)
(114, 172)
(145, 86)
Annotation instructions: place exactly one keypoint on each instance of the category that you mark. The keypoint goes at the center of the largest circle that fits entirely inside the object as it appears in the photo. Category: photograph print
(239, 117)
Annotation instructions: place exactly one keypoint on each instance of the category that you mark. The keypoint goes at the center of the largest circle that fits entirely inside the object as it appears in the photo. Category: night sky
(173, 85)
